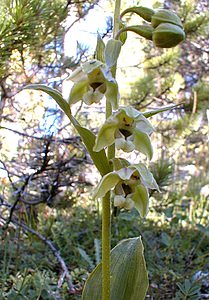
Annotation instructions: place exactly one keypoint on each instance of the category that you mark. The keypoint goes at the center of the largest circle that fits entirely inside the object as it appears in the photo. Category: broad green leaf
(129, 280)
(56, 95)
(141, 200)
(143, 144)
(108, 182)
(151, 113)
(112, 51)
(100, 49)
(77, 92)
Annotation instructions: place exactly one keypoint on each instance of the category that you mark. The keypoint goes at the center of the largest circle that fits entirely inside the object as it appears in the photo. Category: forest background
(50, 227)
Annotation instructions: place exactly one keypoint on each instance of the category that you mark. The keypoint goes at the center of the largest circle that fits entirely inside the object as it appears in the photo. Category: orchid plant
(122, 273)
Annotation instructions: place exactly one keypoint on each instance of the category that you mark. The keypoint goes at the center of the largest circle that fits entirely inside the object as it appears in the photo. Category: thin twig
(43, 138)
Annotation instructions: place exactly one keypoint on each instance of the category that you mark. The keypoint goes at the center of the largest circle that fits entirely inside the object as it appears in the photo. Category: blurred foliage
(163, 173)
(29, 268)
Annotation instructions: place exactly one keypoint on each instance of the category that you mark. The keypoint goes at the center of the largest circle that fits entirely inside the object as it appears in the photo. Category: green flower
(92, 81)
(130, 187)
(128, 129)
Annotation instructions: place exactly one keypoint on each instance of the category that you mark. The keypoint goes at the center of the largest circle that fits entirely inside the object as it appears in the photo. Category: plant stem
(106, 238)
(110, 149)
(116, 28)
(106, 205)
(116, 25)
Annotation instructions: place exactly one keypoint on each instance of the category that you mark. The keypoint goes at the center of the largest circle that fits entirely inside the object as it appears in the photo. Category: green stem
(110, 149)
(116, 24)
(106, 238)
(116, 27)
(106, 205)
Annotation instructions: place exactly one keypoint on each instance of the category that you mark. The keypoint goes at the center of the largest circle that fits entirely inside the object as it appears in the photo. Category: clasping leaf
(129, 280)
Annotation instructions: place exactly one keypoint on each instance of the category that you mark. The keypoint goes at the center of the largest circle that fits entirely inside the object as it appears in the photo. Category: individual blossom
(92, 81)
(128, 129)
(129, 187)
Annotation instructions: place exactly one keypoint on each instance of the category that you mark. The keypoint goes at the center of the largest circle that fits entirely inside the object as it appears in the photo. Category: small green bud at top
(165, 16)
(167, 35)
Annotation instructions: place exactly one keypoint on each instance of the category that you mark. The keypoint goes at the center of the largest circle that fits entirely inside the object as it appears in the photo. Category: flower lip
(125, 133)
(95, 85)
(126, 188)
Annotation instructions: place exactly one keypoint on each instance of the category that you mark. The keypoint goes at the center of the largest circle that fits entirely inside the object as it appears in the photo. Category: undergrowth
(175, 240)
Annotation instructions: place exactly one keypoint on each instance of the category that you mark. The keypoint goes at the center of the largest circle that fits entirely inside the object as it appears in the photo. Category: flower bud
(165, 16)
(167, 35)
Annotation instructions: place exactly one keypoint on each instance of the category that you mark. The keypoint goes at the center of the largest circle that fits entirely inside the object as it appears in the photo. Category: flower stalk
(106, 204)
